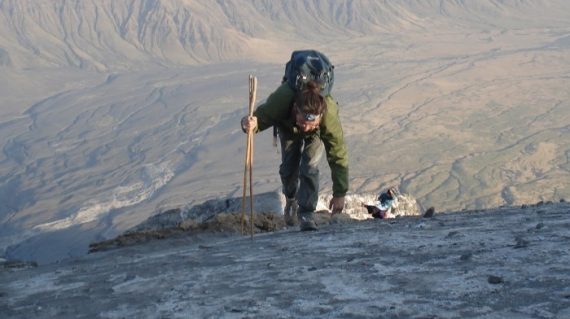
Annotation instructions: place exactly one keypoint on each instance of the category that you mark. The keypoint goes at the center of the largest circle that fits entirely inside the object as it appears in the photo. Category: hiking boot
(307, 222)
(290, 212)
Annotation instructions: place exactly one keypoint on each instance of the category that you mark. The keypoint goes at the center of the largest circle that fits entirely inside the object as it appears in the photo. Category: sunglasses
(308, 116)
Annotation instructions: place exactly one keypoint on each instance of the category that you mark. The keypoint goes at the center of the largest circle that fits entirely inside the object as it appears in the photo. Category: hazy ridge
(105, 35)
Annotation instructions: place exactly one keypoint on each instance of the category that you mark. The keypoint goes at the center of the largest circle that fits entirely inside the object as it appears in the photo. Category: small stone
(129, 277)
(19, 264)
(466, 257)
(452, 234)
(539, 225)
(421, 225)
(494, 280)
(520, 243)
(429, 212)
(524, 206)
(562, 200)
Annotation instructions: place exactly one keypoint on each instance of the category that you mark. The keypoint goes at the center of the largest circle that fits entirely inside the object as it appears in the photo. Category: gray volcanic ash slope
(510, 262)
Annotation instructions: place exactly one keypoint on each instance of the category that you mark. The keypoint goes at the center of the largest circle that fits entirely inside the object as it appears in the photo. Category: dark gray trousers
(299, 170)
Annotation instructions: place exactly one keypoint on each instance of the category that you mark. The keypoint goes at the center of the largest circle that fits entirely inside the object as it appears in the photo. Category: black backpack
(307, 65)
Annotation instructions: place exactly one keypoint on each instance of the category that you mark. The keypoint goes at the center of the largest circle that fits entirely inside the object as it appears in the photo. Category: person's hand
(248, 123)
(336, 205)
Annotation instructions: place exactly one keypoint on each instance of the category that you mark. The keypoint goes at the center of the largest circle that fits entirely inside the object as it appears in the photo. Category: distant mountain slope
(109, 34)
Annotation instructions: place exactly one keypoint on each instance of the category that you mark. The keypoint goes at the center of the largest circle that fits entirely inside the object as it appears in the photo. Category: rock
(520, 243)
(452, 234)
(466, 257)
(18, 264)
(190, 216)
(494, 280)
(429, 212)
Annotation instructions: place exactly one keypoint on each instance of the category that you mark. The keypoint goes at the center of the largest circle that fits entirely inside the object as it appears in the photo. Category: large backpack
(307, 65)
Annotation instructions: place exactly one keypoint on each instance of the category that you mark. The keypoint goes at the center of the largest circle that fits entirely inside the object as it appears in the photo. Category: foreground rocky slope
(509, 262)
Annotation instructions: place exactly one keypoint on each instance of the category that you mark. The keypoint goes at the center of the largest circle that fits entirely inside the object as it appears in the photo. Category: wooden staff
(249, 160)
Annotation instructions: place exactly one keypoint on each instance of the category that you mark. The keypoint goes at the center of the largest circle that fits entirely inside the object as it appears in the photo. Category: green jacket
(276, 111)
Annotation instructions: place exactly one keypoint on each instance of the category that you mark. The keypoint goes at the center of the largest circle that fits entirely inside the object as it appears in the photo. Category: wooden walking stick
(249, 160)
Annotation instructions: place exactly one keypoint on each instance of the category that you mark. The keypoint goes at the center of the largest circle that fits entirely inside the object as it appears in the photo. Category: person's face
(307, 122)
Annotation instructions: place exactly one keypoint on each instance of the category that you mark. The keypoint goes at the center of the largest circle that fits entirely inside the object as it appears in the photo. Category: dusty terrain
(510, 262)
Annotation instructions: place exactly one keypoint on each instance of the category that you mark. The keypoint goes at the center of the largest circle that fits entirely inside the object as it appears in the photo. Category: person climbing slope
(385, 201)
(307, 119)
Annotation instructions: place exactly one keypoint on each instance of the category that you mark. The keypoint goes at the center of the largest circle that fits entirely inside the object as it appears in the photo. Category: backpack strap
(275, 133)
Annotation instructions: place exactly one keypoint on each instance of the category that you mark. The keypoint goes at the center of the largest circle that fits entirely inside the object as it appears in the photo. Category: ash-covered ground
(509, 262)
